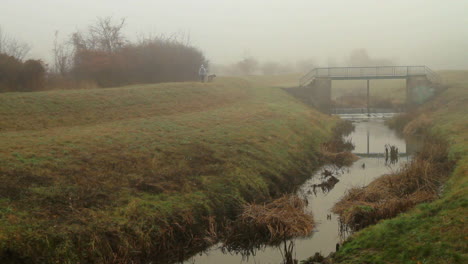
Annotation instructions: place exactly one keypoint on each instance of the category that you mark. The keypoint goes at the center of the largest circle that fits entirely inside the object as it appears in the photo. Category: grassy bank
(128, 174)
(432, 232)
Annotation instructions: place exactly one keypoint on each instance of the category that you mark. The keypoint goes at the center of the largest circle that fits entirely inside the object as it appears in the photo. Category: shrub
(150, 60)
(18, 76)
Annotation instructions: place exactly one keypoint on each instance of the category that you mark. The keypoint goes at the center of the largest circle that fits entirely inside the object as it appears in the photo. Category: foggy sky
(417, 32)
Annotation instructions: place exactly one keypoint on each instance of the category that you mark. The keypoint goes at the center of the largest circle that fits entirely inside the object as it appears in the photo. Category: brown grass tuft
(270, 223)
(389, 195)
(418, 126)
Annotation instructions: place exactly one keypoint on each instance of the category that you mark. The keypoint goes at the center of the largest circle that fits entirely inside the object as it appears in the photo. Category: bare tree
(248, 65)
(3, 40)
(106, 35)
(360, 57)
(13, 47)
(62, 56)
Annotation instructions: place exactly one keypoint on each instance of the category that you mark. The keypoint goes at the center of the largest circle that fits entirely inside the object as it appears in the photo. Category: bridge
(369, 73)
(315, 86)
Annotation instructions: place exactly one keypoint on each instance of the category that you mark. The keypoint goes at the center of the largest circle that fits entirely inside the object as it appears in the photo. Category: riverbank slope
(432, 232)
(133, 173)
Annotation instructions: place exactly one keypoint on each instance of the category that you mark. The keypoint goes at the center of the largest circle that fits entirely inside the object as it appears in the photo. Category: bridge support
(418, 90)
(368, 99)
(317, 93)
(320, 94)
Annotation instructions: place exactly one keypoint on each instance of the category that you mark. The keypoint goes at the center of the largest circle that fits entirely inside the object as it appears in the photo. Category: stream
(369, 137)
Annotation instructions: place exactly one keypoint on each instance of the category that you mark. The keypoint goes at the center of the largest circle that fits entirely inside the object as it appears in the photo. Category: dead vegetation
(338, 150)
(411, 123)
(416, 182)
(326, 186)
(269, 224)
(418, 126)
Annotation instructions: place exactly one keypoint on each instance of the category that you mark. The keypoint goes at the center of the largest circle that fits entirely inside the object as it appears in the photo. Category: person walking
(202, 73)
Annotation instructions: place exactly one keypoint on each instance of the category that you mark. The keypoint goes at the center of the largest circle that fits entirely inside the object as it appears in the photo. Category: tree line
(101, 54)
(249, 65)
(16, 74)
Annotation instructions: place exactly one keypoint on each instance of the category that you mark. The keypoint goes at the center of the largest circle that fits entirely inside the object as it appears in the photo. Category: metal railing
(369, 72)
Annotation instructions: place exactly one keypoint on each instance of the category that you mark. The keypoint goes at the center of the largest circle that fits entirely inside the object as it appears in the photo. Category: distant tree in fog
(305, 65)
(16, 75)
(248, 65)
(360, 57)
(12, 47)
(104, 35)
(32, 77)
(62, 54)
(270, 68)
(10, 70)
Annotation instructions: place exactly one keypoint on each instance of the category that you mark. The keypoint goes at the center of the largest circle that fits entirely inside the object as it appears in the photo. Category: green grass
(432, 232)
(124, 174)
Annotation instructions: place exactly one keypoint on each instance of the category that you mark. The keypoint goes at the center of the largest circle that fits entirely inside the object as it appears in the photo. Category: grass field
(124, 174)
(432, 232)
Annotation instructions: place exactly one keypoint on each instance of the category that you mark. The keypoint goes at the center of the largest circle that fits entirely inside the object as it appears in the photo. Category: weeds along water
(323, 190)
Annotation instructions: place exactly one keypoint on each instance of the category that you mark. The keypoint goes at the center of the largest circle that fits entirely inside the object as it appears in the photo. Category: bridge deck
(367, 73)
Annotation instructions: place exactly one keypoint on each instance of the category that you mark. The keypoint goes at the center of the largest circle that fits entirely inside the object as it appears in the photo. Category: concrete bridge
(315, 86)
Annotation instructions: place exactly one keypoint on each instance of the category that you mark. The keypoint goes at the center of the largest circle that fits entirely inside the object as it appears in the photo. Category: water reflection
(328, 179)
(391, 154)
(324, 189)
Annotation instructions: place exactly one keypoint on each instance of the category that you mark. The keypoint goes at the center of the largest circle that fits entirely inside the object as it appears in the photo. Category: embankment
(433, 232)
(143, 172)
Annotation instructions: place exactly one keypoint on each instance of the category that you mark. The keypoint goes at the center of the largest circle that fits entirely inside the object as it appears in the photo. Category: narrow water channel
(370, 137)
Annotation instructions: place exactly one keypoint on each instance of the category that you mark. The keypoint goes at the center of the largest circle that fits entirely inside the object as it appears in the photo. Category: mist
(327, 32)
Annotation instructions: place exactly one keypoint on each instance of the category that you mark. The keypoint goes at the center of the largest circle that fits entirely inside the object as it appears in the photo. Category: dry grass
(272, 223)
(129, 174)
(389, 195)
(57, 82)
(418, 126)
